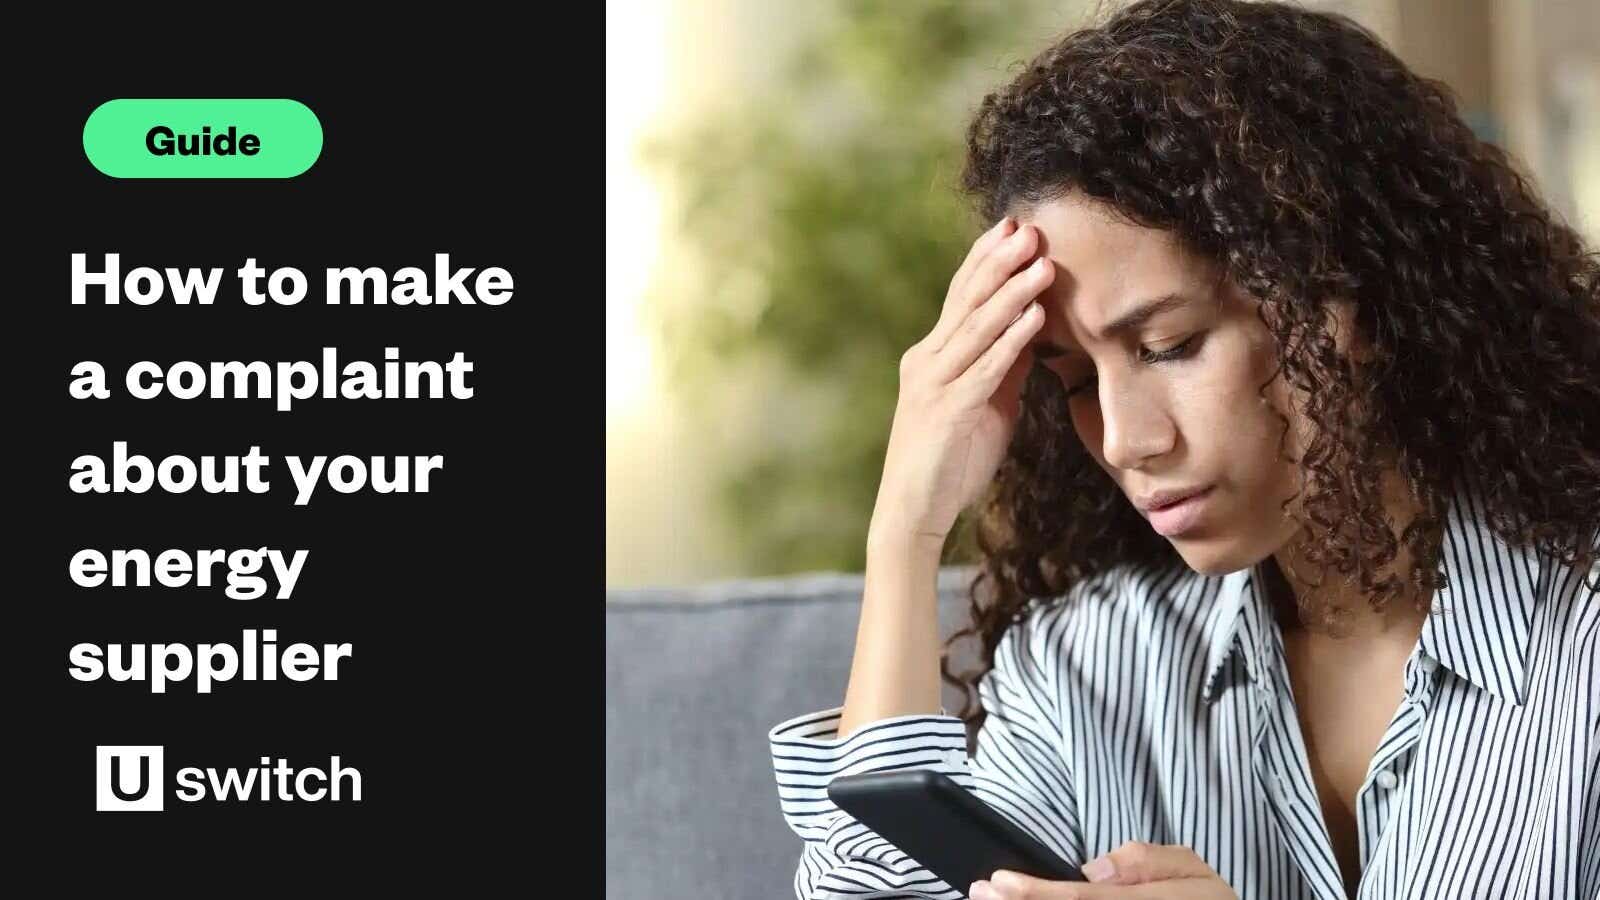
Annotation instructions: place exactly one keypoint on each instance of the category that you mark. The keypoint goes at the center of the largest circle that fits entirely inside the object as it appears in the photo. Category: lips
(1164, 499)
(1172, 504)
(1179, 516)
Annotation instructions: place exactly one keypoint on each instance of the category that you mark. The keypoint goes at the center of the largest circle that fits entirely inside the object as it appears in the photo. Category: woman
(1245, 255)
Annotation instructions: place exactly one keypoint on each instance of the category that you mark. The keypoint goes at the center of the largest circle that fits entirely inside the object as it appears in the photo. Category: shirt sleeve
(1017, 767)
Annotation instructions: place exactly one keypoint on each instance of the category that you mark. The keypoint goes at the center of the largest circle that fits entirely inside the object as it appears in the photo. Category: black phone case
(946, 829)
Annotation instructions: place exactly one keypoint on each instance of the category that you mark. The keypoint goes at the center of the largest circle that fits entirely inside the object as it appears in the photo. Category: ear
(1347, 336)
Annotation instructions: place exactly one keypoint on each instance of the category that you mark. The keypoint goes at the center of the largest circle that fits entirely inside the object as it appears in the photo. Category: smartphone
(944, 827)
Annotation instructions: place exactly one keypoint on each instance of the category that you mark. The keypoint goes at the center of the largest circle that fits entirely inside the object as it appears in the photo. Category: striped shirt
(1156, 706)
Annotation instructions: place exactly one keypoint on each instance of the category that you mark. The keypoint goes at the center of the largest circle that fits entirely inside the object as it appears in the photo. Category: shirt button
(956, 757)
(1429, 664)
(1386, 780)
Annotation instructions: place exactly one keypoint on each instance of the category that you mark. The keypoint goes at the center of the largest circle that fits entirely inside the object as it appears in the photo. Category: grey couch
(695, 677)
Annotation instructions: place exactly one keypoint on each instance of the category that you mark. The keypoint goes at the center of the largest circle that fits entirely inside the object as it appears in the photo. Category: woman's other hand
(1134, 871)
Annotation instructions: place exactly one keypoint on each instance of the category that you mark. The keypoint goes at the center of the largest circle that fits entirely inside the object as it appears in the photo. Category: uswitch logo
(132, 778)
(128, 778)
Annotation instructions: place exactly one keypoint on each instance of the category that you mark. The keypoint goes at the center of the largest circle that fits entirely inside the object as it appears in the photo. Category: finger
(979, 250)
(1008, 393)
(987, 275)
(1008, 885)
(985, 324)
(983, 378)
(1136, 862)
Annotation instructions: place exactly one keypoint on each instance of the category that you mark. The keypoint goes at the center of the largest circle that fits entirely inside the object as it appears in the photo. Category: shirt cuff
(809, 747)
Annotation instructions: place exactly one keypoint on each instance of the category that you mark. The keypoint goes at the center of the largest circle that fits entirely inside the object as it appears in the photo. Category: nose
(1135, 427)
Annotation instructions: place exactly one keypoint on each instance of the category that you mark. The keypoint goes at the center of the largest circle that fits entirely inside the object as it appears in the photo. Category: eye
(1171, 354)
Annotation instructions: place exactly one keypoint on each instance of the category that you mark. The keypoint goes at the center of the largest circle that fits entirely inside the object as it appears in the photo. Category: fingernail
(1099, 869)
(982, 890)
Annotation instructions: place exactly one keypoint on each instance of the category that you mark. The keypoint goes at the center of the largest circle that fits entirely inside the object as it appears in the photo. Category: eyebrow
(1128, 321)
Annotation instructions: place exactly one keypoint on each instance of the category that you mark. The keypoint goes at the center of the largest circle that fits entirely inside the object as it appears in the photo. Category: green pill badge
(250, 138)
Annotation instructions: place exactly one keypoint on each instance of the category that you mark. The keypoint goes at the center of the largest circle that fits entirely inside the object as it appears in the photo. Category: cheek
(1216, 407)
(1267, 409)
(1284, 402)
(1225, 417)
(1266, 453)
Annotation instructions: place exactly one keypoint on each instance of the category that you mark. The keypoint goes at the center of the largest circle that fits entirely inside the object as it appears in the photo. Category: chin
(1212, 556)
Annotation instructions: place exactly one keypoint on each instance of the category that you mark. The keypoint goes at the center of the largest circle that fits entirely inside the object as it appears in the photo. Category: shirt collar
(1480, 627)
(1483, 620)
(1234, 627)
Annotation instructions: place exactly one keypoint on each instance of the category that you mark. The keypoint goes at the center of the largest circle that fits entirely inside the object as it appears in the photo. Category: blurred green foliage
(826, 220)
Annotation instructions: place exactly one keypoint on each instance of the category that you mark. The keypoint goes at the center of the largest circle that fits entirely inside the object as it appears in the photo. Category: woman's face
(1169, 401)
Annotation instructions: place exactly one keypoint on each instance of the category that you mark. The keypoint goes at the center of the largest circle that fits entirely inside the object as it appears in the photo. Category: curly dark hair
(1294, 149)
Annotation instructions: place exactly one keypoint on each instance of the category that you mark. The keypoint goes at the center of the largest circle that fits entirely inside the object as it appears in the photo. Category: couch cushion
(695, 677)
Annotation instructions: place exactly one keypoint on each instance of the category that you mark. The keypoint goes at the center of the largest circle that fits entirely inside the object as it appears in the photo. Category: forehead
(1086, 230)
(1105, 266)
